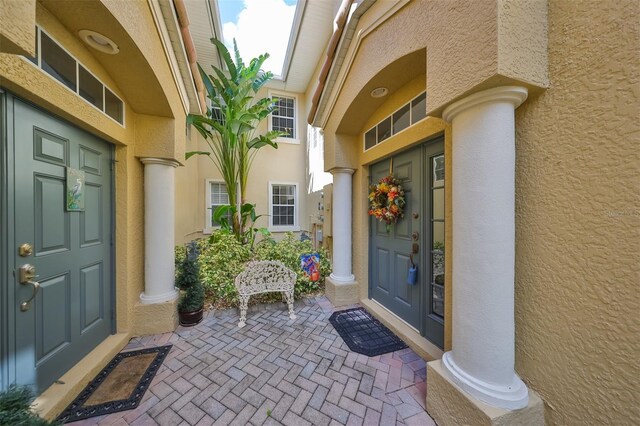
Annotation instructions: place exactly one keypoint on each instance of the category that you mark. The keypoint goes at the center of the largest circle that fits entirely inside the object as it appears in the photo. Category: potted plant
(191, 303)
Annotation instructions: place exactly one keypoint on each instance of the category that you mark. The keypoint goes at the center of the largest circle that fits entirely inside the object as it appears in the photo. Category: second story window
(284, 117)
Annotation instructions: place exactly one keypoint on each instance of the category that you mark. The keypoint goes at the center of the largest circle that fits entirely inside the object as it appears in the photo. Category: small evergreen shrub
(15, 408)
(188, 280)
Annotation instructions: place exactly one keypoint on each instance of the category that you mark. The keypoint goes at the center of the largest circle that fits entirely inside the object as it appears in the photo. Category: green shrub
(288, 251)
(15, 408)
(221, 258)
(188, 280)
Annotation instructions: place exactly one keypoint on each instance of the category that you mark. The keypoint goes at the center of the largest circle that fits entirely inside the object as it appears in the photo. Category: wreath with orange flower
(386, 200)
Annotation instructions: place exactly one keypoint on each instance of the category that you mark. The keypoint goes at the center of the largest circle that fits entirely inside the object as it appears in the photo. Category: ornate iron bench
(262, 277)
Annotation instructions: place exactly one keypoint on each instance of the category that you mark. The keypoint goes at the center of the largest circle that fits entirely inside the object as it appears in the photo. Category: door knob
(27, 274)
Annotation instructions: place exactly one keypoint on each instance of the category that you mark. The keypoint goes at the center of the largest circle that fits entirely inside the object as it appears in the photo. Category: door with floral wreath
(411, 237)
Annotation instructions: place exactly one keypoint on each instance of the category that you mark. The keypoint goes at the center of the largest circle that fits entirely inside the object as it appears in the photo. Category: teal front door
(420, 234)
(59, 260)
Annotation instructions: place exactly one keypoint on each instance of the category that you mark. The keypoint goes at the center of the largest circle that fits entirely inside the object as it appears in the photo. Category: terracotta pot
(189, 319)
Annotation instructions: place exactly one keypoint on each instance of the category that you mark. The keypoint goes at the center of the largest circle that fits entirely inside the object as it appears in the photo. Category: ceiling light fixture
(99, 41)
(379, 92)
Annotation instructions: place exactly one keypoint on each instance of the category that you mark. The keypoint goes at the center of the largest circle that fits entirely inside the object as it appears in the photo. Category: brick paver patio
(275, 371)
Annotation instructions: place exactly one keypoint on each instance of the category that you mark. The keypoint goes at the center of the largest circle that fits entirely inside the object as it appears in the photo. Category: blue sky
(259, 26)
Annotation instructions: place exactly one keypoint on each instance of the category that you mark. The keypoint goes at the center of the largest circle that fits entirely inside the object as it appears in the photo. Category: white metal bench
(262, 277)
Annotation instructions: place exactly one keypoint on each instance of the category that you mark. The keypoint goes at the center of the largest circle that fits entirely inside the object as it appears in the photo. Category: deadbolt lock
(415, 236)
(25, 250)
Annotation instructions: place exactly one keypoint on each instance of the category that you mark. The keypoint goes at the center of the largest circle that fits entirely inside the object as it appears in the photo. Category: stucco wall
(578, 219)
(17, 35)
(577, 174)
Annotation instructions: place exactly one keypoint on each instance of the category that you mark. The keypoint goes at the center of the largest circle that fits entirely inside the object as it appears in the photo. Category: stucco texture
(577, 174)
(17, 34)
(578, 219)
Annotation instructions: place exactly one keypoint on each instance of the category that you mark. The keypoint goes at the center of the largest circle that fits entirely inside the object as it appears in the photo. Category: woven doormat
(119, 386)
(364, 334)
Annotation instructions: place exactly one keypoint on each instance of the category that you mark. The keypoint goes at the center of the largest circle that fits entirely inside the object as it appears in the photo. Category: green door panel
(72, 252)
(389, 251)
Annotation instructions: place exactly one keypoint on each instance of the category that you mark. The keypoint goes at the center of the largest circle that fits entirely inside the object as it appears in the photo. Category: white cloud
(263, 26)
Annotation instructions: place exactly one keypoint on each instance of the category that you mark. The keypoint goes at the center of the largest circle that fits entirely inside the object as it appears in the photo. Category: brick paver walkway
(275, 371)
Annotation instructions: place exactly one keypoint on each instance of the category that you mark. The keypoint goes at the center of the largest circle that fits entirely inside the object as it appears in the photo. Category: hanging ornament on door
(386, 199)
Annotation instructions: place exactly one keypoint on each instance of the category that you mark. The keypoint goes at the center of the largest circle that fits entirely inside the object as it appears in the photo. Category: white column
(341, 224)
(482, 360)
(159, 218)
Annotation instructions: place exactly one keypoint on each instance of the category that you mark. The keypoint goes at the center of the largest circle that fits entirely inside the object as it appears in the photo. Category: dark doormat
(119, 386)
(364, 334)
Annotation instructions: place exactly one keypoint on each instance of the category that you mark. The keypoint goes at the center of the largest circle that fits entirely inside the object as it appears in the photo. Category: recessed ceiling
(392, 77)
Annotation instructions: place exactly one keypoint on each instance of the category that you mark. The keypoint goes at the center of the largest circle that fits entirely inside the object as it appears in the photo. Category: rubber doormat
(119, 386)
(364, 334)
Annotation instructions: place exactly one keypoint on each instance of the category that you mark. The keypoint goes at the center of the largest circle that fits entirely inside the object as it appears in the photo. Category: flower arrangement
(386, 201)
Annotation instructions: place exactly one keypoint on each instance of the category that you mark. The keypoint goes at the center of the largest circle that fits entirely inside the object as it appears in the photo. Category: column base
(156, 318)
(341, 293)
(448, 404)
(512, 397)
(159, 298)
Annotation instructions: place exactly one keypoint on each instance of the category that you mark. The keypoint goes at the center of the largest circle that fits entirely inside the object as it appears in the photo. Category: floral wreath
(386, 200)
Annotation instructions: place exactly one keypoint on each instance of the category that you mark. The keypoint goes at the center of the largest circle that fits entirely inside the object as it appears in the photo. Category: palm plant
(229, 126)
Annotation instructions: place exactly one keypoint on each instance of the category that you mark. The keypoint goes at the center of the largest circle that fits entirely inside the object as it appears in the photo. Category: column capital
(515, 95)
(336, 170)
(161, 161)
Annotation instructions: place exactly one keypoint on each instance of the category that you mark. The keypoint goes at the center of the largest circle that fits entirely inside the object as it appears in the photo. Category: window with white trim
(216, 196)
(283, 206)
(283, 118)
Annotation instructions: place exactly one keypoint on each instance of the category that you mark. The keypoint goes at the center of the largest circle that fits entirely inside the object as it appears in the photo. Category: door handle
(27, 274)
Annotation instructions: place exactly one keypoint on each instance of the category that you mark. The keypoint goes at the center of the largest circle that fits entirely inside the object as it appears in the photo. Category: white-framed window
(216, 195)
(283, 206)
(284, 117)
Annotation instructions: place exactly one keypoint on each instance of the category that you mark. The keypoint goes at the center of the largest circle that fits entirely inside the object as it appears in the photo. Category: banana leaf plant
(230, 123)
(248, 219)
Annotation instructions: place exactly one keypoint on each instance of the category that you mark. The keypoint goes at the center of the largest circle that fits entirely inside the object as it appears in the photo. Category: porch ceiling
(129, 68)
(393, 77)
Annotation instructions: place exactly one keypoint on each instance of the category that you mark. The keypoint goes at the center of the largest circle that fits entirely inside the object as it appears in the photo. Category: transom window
(283, 118)
(53, 59)
(283, 205)
(406, 116)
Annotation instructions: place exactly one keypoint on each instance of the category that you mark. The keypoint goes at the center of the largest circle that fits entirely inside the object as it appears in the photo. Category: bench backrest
(265, 275)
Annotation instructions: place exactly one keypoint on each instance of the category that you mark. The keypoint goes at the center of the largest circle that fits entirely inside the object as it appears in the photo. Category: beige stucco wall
(17, 36)
(286, 164)
(577, 175)
(578, 219)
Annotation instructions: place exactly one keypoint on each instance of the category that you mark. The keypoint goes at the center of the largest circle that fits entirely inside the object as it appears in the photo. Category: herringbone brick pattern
(276, 371)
